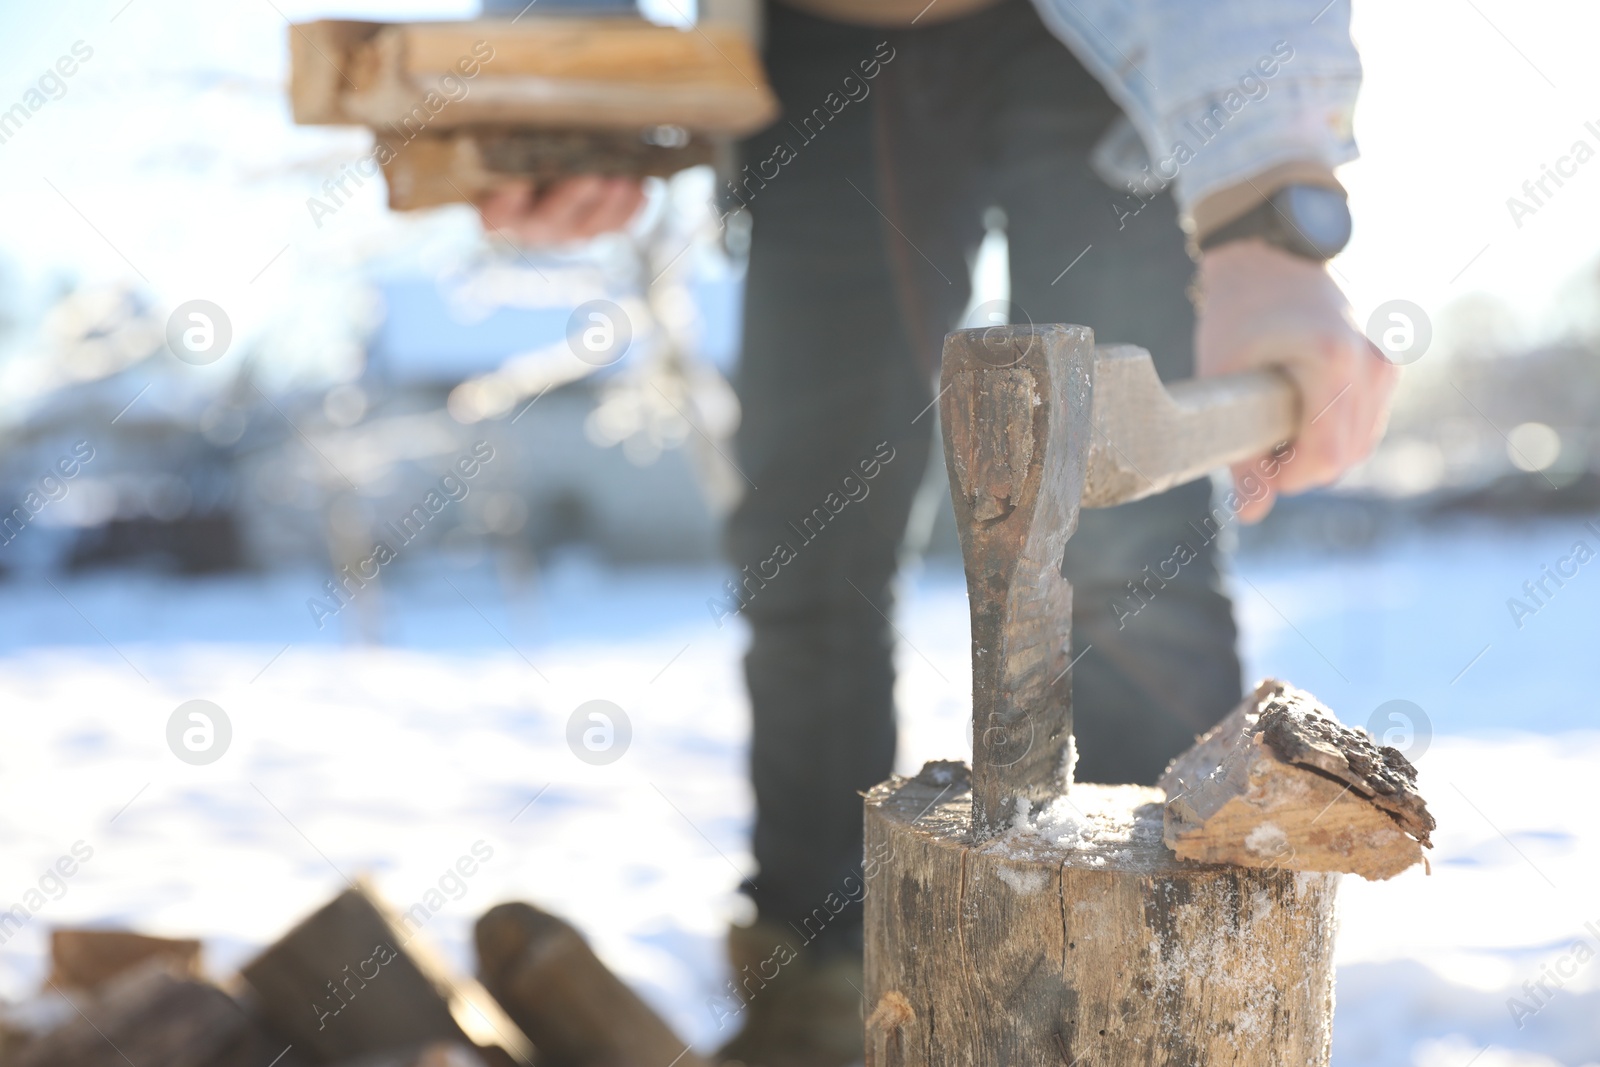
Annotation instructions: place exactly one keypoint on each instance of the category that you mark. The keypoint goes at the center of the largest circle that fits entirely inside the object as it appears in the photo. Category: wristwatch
(1308, 220)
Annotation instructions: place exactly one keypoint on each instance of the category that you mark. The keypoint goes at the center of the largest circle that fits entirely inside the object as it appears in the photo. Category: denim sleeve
(1221, 90)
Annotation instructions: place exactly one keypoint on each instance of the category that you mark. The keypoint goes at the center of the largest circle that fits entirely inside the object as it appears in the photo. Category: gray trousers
(867, 198)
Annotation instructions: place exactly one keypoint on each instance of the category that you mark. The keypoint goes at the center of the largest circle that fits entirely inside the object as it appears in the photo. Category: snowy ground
(395, 761)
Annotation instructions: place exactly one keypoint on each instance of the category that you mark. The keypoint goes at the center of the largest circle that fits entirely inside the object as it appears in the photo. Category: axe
(1038, 423)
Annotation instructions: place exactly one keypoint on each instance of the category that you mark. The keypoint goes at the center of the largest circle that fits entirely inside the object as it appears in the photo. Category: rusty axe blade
(1038, 423)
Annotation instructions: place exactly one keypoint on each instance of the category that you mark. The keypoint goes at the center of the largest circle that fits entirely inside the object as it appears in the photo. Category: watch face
(1320, 216)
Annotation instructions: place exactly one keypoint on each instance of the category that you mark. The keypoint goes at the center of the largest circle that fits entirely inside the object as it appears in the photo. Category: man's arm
(1228, 96)
(1236, 100)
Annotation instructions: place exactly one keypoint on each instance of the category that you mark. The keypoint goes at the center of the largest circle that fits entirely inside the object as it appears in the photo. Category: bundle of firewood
(349, 987)
(458, 107)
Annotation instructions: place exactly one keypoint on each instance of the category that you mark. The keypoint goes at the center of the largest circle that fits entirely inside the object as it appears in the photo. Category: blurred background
(387, 729)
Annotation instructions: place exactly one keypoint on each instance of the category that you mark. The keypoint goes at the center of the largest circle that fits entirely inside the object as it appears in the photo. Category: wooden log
(458, 166)
(561, 72)
(319, 58)
(576, 1011)
(1076, 937)
(348, 981)
(1281, 782)
(154, 1018)
(87, 959)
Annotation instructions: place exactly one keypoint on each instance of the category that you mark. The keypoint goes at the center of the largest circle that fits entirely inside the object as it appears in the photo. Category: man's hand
(1263, 307)
(572, 209)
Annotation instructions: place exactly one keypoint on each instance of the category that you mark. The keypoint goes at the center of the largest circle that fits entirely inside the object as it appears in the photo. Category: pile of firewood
(347, 987)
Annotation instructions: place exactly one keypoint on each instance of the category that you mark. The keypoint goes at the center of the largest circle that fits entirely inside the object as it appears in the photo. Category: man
(903, 123)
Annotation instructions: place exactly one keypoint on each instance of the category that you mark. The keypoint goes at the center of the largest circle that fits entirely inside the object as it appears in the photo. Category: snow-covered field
(397, 760)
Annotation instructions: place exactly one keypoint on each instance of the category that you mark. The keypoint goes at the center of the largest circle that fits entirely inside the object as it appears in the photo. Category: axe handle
(1149, 437)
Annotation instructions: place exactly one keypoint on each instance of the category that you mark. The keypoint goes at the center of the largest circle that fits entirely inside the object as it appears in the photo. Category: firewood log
(577, 1012)
(348, 981)
(87, 959)
(558, 72)
(1282, 783)
(457, 108)
(152, 1017)
(464, 164)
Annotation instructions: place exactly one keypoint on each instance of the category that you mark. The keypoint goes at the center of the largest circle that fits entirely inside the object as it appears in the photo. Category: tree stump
(1077, 937)
(1011, 916)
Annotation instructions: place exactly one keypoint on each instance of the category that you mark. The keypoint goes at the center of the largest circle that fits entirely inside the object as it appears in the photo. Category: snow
(1069, 763)
(396, 761)
(1268, 839)
(1094, 825)
(1023, 880)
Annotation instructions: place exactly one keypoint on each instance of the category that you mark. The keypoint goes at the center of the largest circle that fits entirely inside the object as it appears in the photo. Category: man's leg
(833, 445)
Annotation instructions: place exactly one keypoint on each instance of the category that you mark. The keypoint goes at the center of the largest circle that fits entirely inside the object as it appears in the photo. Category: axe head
(1015, 404)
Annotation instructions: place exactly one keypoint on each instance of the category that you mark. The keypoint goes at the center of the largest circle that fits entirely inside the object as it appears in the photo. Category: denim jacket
(1219, 91)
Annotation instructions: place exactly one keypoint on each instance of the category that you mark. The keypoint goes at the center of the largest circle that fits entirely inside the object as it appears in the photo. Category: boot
(807, 1014)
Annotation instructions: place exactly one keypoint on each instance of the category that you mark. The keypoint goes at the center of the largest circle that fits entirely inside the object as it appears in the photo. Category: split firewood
(347, 981)
(576, 1011)
(87, 959)
(447, 167)
(562, 72)
(1282, 783)
(154, 1018)
(458, 107)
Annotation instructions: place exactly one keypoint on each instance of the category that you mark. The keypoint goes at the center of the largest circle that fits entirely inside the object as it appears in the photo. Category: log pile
(347, 987)
(149, 1014)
